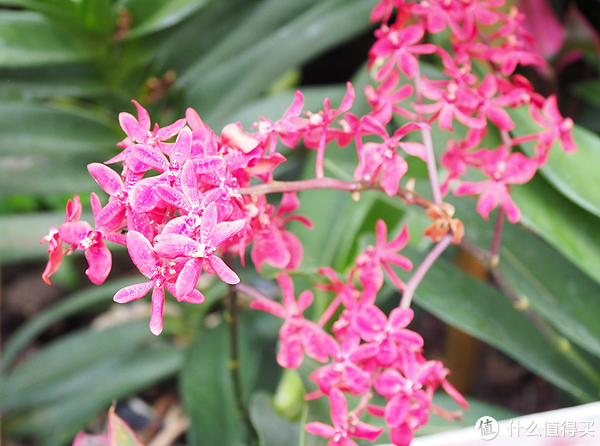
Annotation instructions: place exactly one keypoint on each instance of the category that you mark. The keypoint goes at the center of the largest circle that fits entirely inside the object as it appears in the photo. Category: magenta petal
(269, 306)
(171, 130)
(316, 428)
(181, 150)
(143, 196)
(366, 431)
(111, 217)
(195, 297)
(400, 317)
(209, 223)
(513, 213)
(396, 410)
(189, 184)
(305, 300)
(172, 246)
(141, 253)
(158, 303)
(369, 321)
(131, 126)
(294, 248)
(150, 157)
(291, 353)
(414, 149)
(132, 292)
(100, 262)
(339, 407)
(488, 200)
(188, 277)
(74, 232)
(173, 197)
(108, 179)
(225, 230)
(389, 383)
(225, 273)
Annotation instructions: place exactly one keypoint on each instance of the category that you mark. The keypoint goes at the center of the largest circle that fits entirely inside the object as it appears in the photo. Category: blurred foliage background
(67, 68)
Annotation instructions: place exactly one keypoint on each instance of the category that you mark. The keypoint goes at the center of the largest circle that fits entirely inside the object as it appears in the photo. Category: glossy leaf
(483, 312)
(120, 434)
(272, 429)
(64, 359)
(73, 304)
(50, 81)
(576, 176)
(564, 225)
(29, 39)
(154, 15)
(244, 77)
(58, 421)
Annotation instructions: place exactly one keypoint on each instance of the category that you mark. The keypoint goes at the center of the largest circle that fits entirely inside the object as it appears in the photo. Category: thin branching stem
(415, 280)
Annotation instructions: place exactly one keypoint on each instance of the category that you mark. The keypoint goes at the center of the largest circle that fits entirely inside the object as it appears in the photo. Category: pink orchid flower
(162, 273)
(345, 425)
(503, 168)
(297, 335)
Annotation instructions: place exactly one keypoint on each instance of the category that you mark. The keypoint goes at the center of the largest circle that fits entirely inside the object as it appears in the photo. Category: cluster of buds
(179, 206)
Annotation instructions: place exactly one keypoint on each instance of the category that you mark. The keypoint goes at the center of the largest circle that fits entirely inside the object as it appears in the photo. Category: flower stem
(428, 143)
(234, 363)
(495, 249)
(411, 285)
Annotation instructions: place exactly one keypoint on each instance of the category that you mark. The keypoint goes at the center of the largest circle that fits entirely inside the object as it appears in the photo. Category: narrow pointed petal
(132, 292)
(209, 223)
(188, 277)
(141, 253)
(225, 273)
(132, 128)
(189, 184)
(225, 230)
(172, 246)
(74, 232)
(158, 303)
(171, 130)
(109, 180)
(181, 150)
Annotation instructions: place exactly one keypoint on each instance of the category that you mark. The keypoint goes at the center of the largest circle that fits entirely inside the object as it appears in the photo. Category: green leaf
(29, 39)
(130, 372)
(150, 16)
(272, 428)
(483, 312)
(71, 305)
(33, 129)
(564, 225)
(66, 364)
(576, 176)
(244, 77)
(557, 289)
(61, 9)
(207, 391)
(50, 82)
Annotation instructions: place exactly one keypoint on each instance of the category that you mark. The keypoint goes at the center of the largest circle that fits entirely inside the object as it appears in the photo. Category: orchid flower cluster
(179, 206)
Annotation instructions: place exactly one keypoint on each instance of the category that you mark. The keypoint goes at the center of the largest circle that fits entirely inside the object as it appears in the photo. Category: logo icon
(487, 428)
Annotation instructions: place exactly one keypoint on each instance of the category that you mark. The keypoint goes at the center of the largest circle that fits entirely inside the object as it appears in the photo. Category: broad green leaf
(207, 391)
(568, 228)
(98, 16)
(30, 129)
(246, 76)
(50, 82)
(272, 428)
(61, 9)
(150, 16)
(53, 174)
(57, 422)
(21, 235)
(574, 175)
(63, 360)
(556, 289)
(73, 304)
(29, 39)
(261, 21)
(483, 312)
